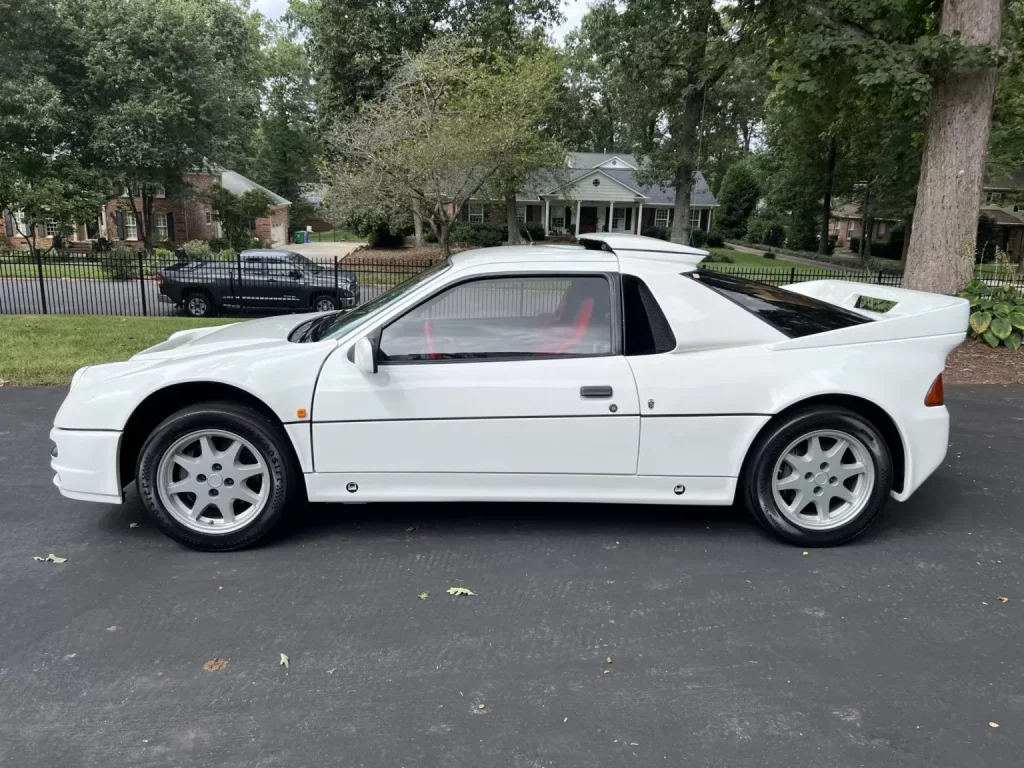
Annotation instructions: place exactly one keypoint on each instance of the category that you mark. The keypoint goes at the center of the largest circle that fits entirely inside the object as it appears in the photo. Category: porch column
(611, 215)
(639, 214)
(578, 203)
(547, 216)
(711, 212)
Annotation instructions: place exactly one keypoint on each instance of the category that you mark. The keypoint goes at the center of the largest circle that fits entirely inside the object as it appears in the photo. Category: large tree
(164, 85)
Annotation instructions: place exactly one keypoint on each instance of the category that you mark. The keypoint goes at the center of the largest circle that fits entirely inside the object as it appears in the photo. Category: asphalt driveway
(727, 648)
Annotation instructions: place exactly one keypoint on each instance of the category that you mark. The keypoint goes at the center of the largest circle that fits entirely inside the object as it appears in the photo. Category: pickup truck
(259, 279)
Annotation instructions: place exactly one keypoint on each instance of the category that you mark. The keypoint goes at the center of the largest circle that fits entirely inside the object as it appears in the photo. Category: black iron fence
(145, 284)
(122, 283)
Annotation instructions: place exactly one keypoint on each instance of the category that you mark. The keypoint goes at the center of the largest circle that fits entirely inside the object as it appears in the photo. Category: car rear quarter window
(790, 313)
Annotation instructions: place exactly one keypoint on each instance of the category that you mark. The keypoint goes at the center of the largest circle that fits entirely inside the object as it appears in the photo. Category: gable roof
(582, 173)
(238, 185)
(600, 159)
(1014, 181)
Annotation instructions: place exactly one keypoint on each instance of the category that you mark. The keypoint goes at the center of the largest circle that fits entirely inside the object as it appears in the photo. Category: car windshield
(349, 321)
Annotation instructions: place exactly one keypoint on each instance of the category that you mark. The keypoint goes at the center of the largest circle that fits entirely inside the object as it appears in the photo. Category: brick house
(1001, 201)
(176, 220)
(598, 192)
(847, 222)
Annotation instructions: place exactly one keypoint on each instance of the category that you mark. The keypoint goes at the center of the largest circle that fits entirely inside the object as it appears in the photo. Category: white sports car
(612, 371)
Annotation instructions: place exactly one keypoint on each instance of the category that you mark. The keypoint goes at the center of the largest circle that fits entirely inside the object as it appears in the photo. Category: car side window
(254, 266)
(504, 318)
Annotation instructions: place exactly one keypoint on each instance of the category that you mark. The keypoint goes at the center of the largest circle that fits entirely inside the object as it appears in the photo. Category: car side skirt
(423, 486)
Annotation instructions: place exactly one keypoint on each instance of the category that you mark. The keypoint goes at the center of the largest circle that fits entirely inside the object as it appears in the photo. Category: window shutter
(170, 227)
(629, 220)
(9, 224)
(119, 218)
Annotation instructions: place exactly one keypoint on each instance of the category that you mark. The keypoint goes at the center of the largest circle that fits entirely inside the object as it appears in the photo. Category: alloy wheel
(213, 481)
(823, 480)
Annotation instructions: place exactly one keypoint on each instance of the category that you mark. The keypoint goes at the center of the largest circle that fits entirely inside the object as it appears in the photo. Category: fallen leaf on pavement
(331, 671)
(993, 725)
(1003, 599)
(459, 591)
(423, 595)
(481, 706)
(215, 665)
(806, 552)
(133, 525)
(565, 719)
(608, 660)
(412, 528)
(284, 660)
(50, 558)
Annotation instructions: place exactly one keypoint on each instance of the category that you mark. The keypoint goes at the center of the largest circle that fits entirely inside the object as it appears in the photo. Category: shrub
(219, 244)
(831, 247)
(803, 241)
(532, 230)
(120, 263)
(483, 234)
(719, 258)
(698, 237)
(997, 314)
(226, 254)
(715, 239)
(768, 255)
(382, 237)
(853, 244)
(198, 250)
(766, 231)
(659, 232)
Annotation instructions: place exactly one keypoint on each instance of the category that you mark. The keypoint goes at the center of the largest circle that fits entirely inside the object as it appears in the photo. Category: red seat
(580, 324)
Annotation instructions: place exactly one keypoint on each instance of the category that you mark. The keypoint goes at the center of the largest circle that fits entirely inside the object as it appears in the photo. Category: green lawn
(747, 261)
(335, 236)
(56, 271)
(47, 349)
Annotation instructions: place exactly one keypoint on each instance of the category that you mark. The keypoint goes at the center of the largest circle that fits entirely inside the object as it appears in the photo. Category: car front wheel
(819, 477)
(217, 476)
(325, 304)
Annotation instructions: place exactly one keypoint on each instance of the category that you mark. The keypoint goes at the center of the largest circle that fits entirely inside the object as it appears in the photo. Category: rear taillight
(934, 396)
(159, 279)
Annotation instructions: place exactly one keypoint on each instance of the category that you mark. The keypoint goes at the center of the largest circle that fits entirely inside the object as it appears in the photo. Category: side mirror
(365, 356)
(295, 274)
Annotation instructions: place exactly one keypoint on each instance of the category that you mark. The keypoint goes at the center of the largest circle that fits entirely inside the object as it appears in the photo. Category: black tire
(198, 304)
(284, 475)
(319, 303)
(766, 452)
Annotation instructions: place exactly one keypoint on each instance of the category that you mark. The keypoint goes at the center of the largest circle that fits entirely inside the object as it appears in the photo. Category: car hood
(268, 331)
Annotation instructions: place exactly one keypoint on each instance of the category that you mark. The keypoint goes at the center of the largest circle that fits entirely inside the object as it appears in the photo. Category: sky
(572, 9)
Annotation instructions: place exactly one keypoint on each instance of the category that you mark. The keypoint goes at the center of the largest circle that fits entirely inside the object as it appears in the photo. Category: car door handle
(600, 391)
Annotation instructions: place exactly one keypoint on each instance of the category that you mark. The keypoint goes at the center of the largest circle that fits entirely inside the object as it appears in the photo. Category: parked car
(260, 278)
(619, 371)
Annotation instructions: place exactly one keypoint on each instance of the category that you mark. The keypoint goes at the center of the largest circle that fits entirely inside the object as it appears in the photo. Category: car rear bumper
(165, 298)
(85, 464)
(925, 441)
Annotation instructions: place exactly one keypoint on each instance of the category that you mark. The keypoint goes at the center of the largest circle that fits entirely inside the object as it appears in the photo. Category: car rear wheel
(818, 477)
(217, 476)
(198, 304)
(325, 303)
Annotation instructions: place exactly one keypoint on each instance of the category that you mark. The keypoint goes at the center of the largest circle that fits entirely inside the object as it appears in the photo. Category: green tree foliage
(442, 131)
(738, 199)
(237, 214)
(163, 84)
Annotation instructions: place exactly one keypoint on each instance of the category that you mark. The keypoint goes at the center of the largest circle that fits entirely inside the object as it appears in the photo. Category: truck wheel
(325, 303)
(198, 304)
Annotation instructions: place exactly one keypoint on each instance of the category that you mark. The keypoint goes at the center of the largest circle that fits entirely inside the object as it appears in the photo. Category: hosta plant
(997, 314)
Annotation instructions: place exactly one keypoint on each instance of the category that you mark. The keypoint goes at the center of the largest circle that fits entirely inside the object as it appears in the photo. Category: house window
(51, 228)
(694, 219)
(476, 213)
(19, 224)
(880, 229)
(849, 228)
(160, 221)
(209, 217)
(661, 217)
(521, 214)
(131, 226)
(558, 222)
(835, 227)
(159, 191)
(994, 198)
(619, 218)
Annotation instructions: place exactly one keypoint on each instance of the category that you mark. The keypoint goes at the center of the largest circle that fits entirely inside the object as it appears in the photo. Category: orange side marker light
(301, 413)
(935, 396)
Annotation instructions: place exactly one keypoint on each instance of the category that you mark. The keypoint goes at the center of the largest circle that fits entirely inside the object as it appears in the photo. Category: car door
(498, 374)
(266, 281)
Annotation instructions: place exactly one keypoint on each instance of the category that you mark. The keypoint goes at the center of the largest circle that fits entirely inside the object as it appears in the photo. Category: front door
(493, 375)
(588, 219)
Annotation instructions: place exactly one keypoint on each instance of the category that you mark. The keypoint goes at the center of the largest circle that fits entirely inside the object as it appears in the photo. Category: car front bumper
(85, 464)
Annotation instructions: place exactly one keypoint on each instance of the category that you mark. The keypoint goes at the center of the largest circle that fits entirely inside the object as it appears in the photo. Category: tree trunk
(417, 225)
(684, 132)
(512, 220)
(826, 209)
(147, 221)
(940, 256)
(442, 231)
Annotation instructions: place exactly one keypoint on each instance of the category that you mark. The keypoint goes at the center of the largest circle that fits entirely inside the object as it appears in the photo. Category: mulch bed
(425, 255)
(974, 362)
